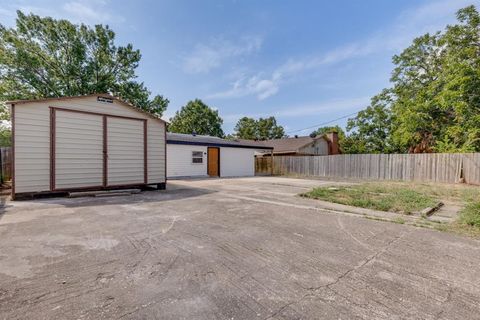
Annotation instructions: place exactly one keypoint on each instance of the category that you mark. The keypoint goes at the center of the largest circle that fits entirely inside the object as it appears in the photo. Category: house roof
(288, 145)
(104, 95)
(190, 139)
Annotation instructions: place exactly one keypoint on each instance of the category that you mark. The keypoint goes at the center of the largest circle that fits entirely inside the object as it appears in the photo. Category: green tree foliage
(246, 128)
(268, 129)
(324, 130)
(44, 57)
(261, 129)
(434, 102)
(5, 128)
(5, 136)
(196, 117)
(371, 128)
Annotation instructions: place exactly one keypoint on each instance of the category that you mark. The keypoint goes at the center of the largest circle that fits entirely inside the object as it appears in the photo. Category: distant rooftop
(287, 145)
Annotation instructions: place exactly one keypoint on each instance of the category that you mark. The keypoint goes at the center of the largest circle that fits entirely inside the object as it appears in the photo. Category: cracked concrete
(313, 290)
(227, 249)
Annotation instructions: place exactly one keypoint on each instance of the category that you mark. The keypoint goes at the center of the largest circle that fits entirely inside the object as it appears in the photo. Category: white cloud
(409, 24)
(206, 57)
(318, 109)
(258, 85)
(436, 10)
(87, 11)
(79, 11)
(264, 85)
(324, 107)
(430, 17)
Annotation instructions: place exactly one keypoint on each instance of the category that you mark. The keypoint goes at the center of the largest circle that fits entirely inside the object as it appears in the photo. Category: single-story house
(321, 145)
(91, 142)
(191, 155)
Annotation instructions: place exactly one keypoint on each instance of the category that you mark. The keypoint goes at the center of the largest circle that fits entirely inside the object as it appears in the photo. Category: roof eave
(16, 102)
(291, 151)
(215, 144)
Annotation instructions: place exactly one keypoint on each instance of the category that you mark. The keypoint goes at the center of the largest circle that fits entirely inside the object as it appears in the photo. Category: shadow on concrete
(148, 196)
(3, 205)
(209, 178)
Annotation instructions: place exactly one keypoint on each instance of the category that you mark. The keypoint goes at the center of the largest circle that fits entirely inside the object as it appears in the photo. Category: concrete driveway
(226, 249)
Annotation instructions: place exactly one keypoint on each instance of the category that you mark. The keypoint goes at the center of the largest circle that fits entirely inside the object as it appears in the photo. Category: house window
(197, 156)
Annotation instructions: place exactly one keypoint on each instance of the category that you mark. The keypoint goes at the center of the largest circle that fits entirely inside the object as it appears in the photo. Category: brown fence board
(6, 168)
(263, 166)
(432, 167)
(471, 168)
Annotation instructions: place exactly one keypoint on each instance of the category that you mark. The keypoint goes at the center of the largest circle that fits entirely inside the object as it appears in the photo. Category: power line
(325, 123)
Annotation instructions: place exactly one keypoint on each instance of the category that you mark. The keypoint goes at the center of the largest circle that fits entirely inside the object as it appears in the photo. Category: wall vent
(105, 99)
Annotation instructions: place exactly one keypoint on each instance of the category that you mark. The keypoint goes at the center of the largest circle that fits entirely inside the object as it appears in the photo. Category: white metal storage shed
(206, 156)
(85, 143)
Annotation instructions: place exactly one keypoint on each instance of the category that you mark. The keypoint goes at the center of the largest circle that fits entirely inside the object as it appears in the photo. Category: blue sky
(305, 62)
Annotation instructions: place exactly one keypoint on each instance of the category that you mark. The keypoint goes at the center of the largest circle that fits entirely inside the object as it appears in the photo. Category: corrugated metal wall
(78, 150)
(32, 139)
(125, 151)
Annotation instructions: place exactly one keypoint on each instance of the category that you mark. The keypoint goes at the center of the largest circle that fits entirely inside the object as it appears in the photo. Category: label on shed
(105, 99)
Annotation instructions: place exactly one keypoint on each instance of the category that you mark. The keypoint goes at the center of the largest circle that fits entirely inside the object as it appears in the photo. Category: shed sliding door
(92, 150)
(78, 150)
(125, 151)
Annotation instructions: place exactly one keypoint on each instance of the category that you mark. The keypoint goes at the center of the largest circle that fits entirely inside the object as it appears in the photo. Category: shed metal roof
(102, 95)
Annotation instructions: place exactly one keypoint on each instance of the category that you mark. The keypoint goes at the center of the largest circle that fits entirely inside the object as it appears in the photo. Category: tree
(44, 57)
(433, 104)
(268, 129)
(5, 127)
(5, 135)
(324, 130)
(261, 129)
(196, 117)
(419, 120)
(459, 98)
(371, 128)
(436, 85)
(246, 128)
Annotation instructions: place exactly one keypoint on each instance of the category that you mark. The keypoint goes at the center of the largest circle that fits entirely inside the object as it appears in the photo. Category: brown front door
(213, 160)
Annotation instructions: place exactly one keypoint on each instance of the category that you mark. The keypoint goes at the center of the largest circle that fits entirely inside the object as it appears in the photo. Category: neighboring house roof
(100, 95)
(288, 145)
(200, 140)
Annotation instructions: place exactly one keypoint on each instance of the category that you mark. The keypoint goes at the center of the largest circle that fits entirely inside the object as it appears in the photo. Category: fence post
(273, 163)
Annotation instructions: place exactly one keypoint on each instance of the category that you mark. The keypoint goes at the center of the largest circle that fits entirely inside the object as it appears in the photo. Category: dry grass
(383, 197)
(406, 198)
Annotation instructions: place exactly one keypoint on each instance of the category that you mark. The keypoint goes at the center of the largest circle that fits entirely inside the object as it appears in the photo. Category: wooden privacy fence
(432, 167)
(6, 163)
(263, 166)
